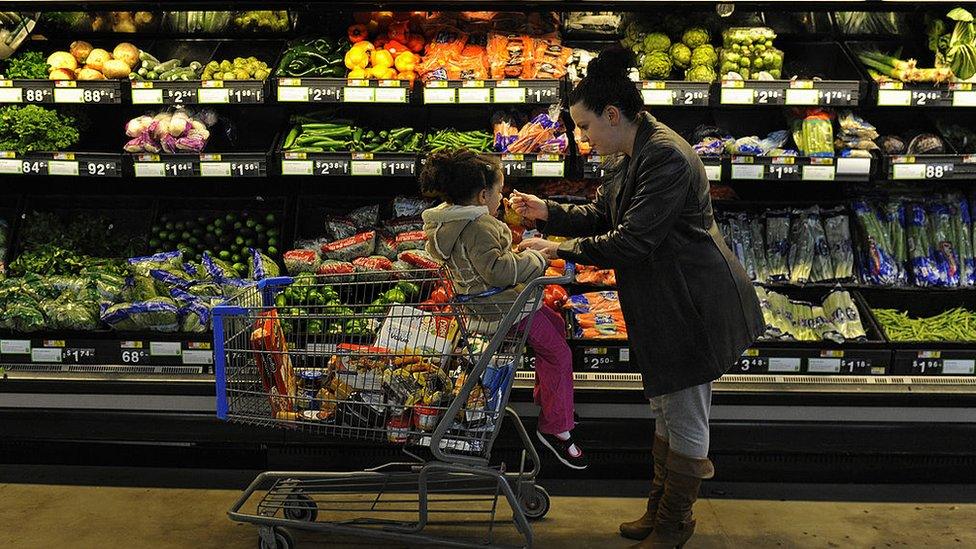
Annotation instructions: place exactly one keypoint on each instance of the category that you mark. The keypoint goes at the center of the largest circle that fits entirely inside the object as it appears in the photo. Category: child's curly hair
(458, 175)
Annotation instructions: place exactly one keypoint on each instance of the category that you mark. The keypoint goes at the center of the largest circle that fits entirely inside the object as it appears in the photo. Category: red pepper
(416, 42)
(439, 295)
(395, 47)
(398, 32)
(357, 33)
(381, 41)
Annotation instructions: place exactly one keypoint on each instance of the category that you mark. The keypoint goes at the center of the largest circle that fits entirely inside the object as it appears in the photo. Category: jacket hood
(444, 225)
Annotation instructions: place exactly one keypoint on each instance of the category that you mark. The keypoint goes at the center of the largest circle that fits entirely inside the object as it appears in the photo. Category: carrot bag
(550, 59)
(510, 56)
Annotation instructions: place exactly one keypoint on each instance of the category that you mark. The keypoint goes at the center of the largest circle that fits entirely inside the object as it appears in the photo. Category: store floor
(122, 514)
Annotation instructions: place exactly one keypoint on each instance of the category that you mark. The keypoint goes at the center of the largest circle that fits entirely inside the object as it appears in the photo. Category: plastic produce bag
(138, 288)
(262, 266)
(942, 244)
(218, 269)
(759, 246)
(843, 313)
(158, 315)
(744, 249)
(920, 251)
(169, 261)
(838, 233)
(65, 314)
(302, 261)
(22, 317)
(876, 255)
(963, 229)
(778, 245)
(803, 246)
(823, 267)
(818, 135)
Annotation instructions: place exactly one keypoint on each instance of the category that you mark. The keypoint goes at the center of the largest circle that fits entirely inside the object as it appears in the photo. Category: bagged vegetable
(838, 234)
(158, 314)
(341, 270)
(778, 245)
(741, 234)
(194, 312)
(360, 245)
(138, 288)
(372, 268)
(413, 240)
(510, 56)
(166, 280)
(802, 246)
(231, 287)
(920, 250)
(170, 261)
(823, 267)
(262, 266)
(404, 206)
(942, 244)
(302, 261)
(70, 315)
(818, 135)
(963, 226)
(218, 269)
(876, 255)
(758, 233)
(386, 244)
(22, 317)
(419, 259)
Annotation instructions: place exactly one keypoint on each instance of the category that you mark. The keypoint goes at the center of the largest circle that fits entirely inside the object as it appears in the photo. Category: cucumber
(167, 66)
(146, 56)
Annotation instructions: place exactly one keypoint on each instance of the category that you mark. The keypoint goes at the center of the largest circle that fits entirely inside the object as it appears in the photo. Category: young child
(463, 234)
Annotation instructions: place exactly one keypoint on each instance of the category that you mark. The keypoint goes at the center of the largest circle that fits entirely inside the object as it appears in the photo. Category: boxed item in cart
(363, 410)
(273, 362)
(409, 328)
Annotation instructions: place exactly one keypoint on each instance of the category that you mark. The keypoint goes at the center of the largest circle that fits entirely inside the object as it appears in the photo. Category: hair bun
(613, 62)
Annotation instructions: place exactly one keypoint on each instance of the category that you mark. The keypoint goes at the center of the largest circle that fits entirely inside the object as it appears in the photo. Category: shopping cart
(363, 357)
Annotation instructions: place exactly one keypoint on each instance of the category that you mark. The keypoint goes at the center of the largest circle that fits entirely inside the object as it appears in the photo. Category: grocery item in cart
(408, 328)
(267, 339)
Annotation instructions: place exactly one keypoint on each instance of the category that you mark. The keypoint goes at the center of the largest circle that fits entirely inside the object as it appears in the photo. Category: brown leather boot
(641, 528)
(674, 524)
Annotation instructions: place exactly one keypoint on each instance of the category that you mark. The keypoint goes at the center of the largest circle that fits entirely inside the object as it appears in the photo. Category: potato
(116, 68)
(90, 74)
(128, 53)
(97, 58)
(80, 50)
(62, 60)
(62, 74)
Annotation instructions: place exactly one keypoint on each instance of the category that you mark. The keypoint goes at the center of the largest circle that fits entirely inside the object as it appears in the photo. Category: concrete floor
(51, 515)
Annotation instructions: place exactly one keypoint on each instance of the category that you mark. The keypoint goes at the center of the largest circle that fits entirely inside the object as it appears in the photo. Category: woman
(689, 306)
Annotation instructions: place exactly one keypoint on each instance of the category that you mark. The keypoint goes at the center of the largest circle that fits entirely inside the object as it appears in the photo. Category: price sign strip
(198, 92)
(480, 92)
(773, 360)
(896, 94)
(63, 164)
(754, 168)
(784, 92)
(341, 90)
(203, 165)
(532, 165)
(931, 167)
(349, 164)
(61, 91)
(675, 93)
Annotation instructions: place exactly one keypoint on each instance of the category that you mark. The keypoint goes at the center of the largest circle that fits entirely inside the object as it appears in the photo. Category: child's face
(492, 197)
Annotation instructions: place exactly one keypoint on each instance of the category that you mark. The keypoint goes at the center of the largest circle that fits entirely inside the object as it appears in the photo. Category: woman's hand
(529, 206)
(547, 248)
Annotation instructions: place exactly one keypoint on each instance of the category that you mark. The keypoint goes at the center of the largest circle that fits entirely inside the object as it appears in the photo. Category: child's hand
(546, 247)
(529, 206)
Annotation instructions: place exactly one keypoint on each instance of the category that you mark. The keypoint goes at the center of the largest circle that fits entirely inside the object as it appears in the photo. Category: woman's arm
(663, 183)
(578, 220)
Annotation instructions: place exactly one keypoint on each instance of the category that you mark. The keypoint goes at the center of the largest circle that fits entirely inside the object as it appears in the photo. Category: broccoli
(680, 55)
(704, 55)
(633, 32)
(656, 66)
(656, 41)
(695, 36)
(701, 73)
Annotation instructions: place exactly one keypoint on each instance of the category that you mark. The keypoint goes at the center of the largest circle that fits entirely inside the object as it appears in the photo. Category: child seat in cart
(368, 356)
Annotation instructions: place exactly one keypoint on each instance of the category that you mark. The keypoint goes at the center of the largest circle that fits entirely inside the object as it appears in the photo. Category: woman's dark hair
(607, 83)
(458, 175)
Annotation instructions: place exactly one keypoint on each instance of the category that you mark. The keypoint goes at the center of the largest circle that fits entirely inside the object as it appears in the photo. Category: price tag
(399, 168)
(818, 173)
(331, 167)
(439, 96)
(391, 95)
(34, 167)
(780, 364)
(11, 166)
(100, 168)
(150, 169)
(355, 94)
(658, 97)
(784, 171)
(215, 169)
(245, 169)
(69, 95)
(46, 355)
(548, 169)
(62, 167)
(509, 95)
(823, 365)
(853, 166)
(293, 94)
(964, 99)
(180, 97)
(78, 355)
(714, 172)
(179, 169)
(474, 95)
(752, 364)
(197, 357)
(296, 167)
(798, 96)
(11, 95)
(738, 96)
(748, 171)
(958, 367)
(15, 346)
(694, 97)
(894, 98)
(147, 97)
(366, 167)
(213, 95)
(165, 348)
(908, 171)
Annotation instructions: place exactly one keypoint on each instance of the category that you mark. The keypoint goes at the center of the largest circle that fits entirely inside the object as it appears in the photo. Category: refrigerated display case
(105, 385)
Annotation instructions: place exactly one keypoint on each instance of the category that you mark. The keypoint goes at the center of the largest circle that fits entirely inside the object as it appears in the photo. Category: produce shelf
(477, 92)
(348, 164)
(79, 164)
(239, 164)
(199, 92)
(822, 74)
(341, 90)
(675, 93)
(107, 352)
(799, 168)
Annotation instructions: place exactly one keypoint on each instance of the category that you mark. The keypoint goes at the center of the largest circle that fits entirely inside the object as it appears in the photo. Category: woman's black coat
(690, 308)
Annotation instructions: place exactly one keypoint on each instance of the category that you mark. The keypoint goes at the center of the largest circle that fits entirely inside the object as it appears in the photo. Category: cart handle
(569, 275)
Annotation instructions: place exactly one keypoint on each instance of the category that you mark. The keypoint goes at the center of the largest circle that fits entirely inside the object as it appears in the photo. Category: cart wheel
(301, 507)
(534, 501)
(282, 540)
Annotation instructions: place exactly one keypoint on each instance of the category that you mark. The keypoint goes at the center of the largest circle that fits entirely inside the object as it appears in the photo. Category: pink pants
(553, 371)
